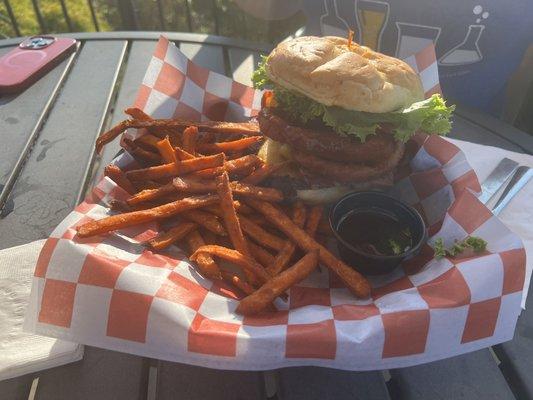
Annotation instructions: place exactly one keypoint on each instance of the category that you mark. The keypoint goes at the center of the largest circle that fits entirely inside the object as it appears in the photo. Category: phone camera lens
(37, 42)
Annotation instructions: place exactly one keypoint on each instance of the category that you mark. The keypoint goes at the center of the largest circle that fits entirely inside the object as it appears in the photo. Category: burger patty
(343, 172)
(325, 143)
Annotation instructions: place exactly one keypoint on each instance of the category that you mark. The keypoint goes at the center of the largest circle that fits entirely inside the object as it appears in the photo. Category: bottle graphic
(413, 38)
(466, 52)
(331, 23)
(371, 18)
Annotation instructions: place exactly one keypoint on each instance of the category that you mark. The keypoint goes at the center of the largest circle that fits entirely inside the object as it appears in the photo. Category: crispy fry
(260, 254)
(234, 257)
(206, 220)
(215, 209)
(171, 170)
(165, 239)
(223, 147)
(257, 192)
(190, 134)
(245, 209)
(324, 227)
(240, 284)
(313, 220)
(167, 151)
(119, 177)
(182, 154)
(240, 166)
(151, 194)
(357, 284)
(137, 113)
(147, 142)
(144, 185)
(229, 214)
(243, 128)
(142, 154)
(289, 248)
(192, 185)
(207, 266)
(263, 172)
(261, 236)
(262, 297)
(120, 221)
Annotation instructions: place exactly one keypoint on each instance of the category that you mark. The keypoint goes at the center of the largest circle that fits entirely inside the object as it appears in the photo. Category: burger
(337, 116)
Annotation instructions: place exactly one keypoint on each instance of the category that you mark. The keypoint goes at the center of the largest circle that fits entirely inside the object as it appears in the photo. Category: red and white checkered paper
(112, 292)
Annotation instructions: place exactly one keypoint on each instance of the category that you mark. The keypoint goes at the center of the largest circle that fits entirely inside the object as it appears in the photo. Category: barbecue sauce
(374, 232)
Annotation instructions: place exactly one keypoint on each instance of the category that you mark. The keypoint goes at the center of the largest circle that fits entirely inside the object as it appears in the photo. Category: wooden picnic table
(47, 163)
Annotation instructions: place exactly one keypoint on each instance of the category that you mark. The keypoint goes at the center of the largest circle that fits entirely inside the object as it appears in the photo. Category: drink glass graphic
(466, 52)
(331, 24)
(413, 38)
(371, 18)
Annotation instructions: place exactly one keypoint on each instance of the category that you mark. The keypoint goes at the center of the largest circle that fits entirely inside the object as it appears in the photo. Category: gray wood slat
(102, 375)
(517, 354)
(467, 130)
(205, 55)
(498, 127)
(16, 388)
(473, 376)
(46, 189)
(309, 383)
(186, 382)
(137, 62)
(20, 117)
(242, 63)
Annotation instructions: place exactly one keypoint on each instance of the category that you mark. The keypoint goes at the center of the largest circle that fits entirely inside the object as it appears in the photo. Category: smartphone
(33, 58)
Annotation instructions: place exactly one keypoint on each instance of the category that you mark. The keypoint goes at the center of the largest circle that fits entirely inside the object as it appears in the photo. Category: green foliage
(221, 17)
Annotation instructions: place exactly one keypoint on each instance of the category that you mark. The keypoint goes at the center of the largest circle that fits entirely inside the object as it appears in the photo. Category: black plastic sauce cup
(382, 204)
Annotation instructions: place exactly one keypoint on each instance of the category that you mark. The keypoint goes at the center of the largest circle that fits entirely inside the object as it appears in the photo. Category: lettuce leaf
(431, 115)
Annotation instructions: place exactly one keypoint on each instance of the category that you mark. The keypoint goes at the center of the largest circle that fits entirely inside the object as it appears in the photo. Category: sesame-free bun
(326, 70)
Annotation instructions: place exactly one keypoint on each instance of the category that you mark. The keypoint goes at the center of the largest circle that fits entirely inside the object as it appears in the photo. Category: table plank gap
(21, 118)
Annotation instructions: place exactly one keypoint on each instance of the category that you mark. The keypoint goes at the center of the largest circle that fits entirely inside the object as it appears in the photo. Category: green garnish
(431, 115)
(395, 247)
(475, 243)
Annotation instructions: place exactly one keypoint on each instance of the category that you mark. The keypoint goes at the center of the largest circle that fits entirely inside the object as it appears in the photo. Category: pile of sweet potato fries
(203, 182)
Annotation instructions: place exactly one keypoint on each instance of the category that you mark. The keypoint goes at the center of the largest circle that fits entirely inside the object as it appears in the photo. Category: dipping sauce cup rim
(414, 213)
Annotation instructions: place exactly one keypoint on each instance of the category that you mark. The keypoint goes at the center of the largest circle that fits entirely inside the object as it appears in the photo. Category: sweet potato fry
(207, 266)
(229, 215)
(240, 166)
(324, 228)
(167, 151)
(313, 220)
(263, 172)
(224, 147)
(182, 167)
(137, 113)
(257, 192)
(144, 185)
(239, 283)
(147, 142)
(355, 282)
(120, 221)
(151, 194)
(234, 257)
(206, 220)
(261, 236)
(165, 239)
(141, 154)
(289, 248)
(190, 134)
(119, 177)
(243, 128)
(192, 185)
(215, 209)
(260, 254)
(262, 297)
(183, 155)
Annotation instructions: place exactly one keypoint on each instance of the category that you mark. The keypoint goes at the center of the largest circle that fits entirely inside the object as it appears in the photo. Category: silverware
(521, 177)
(496, 179)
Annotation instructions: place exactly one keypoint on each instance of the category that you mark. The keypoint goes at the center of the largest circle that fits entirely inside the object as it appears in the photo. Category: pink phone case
(33, 58)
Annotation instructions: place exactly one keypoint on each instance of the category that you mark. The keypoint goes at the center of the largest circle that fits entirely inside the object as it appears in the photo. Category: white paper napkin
(518, 215)
(21, 352)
